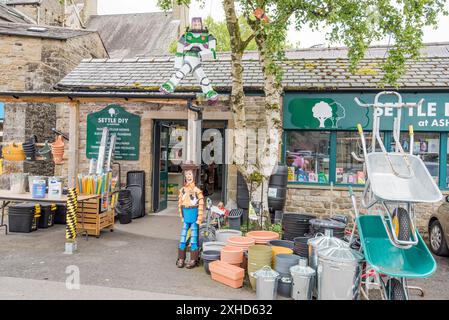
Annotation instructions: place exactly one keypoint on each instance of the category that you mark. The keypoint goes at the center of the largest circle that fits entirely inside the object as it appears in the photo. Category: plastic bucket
(190, 215)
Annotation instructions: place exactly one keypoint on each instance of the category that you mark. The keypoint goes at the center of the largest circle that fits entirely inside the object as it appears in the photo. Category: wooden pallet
(94, 221)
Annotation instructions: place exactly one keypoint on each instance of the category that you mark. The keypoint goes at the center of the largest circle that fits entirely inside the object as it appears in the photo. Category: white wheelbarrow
(395, 180)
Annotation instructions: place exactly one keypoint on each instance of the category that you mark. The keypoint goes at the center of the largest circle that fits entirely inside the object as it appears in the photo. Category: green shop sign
(126, 125)
(338, 111)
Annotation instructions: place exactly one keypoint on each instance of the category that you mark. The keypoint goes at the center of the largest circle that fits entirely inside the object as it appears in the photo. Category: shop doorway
(169, 152)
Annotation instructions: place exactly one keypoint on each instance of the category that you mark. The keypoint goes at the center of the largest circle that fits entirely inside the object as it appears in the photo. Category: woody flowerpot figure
(191, 205)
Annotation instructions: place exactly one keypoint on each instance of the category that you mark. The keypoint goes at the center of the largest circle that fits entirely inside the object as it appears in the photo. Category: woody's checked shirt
(190, 196)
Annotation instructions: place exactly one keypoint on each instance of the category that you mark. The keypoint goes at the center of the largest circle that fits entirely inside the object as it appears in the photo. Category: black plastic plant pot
(208, 257)
(281, 243)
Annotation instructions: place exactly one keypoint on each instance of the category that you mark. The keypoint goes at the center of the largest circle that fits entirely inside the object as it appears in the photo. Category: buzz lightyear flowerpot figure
(191, 205)
(195, 46)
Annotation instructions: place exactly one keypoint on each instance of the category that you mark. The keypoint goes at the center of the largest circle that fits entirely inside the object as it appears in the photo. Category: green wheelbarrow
(391, 264)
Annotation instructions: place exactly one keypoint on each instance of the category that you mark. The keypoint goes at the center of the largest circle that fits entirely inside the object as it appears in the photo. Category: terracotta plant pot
(241, 242)
(57, 149)
(262, 237)
(232, 255)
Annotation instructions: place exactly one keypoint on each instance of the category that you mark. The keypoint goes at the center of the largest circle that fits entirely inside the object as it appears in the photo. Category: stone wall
(319, 201)
(34, 64)
(148, 113)
(20, 57)
(50, 12)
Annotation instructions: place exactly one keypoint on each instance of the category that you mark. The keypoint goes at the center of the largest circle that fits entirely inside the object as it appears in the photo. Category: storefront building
(319, 121)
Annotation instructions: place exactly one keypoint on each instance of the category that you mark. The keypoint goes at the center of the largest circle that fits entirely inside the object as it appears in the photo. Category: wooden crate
(94, 221)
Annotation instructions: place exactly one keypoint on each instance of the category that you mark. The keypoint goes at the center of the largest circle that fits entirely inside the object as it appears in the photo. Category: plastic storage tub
(22, 218)
(47, 217)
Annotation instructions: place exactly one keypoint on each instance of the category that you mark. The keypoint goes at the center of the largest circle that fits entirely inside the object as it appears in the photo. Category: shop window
(348, 170)
(307, 156)
(427, 147)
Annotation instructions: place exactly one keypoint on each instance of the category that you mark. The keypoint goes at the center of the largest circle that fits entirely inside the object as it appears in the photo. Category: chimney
(90, 9)
(181, 13)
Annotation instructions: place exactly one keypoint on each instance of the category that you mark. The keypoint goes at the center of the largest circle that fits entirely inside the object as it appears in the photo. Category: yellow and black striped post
(71, 221)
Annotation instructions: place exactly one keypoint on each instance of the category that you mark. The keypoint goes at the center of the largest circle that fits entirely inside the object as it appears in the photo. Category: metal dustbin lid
(326, 241)
(327, 224)
(265, 273)
(342, 254)
(302, 269)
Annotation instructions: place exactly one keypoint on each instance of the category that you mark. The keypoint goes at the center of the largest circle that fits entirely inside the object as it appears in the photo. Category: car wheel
(437, 240)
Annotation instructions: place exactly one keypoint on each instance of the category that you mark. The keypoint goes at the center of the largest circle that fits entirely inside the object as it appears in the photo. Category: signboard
(338, 111)
(126, 125)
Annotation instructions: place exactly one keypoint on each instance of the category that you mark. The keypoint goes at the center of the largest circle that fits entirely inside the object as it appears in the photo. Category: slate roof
(138, 34)
(23, 2)
(11, 15)
(302, 71)
(59, 33)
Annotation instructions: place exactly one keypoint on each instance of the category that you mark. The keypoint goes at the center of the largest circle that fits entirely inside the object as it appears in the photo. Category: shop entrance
(169, 151)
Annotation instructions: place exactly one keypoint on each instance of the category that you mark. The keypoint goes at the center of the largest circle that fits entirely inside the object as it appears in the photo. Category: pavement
(136, 261)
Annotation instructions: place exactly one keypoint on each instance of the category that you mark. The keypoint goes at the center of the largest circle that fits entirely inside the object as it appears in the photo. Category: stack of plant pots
(213, 245)
(223, 234)
(295, 225)
(320, 225)
(124, 205)
(259, 256)
(242, 242)
(282, 266)
(263, 237)
(301, 247)
(208, 257)
(57, 149)
(29, 147)
(281, 243)
(232, 255)
(279, 250)
(45, 151)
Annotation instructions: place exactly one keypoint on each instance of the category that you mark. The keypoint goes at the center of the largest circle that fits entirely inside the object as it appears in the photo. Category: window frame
(443, 157)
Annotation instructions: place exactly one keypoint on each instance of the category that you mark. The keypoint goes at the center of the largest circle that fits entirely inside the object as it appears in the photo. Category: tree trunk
(237, 93)
(273, 122)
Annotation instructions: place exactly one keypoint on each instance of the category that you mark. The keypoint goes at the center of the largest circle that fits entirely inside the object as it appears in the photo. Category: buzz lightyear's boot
(167, 87)
(212, 96)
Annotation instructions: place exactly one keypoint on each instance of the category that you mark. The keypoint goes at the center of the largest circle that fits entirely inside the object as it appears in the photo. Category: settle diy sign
(126, 125)
(338, 111)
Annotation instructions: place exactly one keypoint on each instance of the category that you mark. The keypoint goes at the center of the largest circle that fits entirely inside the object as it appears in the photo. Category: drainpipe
(194, 121)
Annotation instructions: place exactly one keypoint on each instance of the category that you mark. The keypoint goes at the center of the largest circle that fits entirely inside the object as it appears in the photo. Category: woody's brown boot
(193, 260)
(181, 258)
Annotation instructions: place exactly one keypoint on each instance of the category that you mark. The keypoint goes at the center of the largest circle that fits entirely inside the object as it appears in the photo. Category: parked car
(439, 230)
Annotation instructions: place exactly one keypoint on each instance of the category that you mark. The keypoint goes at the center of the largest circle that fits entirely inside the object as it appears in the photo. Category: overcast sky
(306, 38)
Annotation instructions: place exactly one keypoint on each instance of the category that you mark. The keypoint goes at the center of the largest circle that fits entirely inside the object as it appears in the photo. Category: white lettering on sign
(446, 109)
(113, 120)
(432, 109)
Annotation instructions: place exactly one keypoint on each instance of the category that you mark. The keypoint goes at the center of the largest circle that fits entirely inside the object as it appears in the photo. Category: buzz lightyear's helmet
(197, 23)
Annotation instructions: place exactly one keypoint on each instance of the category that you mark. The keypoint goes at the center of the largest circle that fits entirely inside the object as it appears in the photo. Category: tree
(356, 23)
